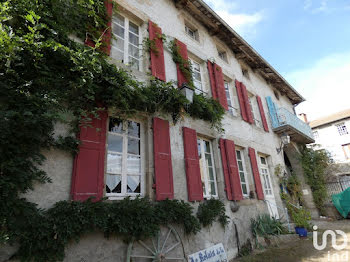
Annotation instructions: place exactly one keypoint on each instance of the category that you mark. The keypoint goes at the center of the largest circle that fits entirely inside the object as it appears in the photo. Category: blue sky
(307, 41)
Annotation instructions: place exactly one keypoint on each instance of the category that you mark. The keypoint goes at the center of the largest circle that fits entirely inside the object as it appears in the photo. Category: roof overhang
(242, 50)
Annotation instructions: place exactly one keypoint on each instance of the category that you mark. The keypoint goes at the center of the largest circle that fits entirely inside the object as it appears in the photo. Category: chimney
(303, 117)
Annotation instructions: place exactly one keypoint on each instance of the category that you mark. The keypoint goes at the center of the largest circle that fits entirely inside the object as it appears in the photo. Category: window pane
(118, 44)
(117, 55)
(118, 30)
(134, 165)
(208, 160)
(244, 189)
(198, 86)
(197, 76)
(133, 184)
(133, 39)
(240, 165)
(241, 175)
(118, 19)
(207, 147)
(211, 173)
(133, 51)
(115, 143)
(133, 129)
(199, 148)
(113, 184)
(133, 146)
(115, 125)
(239, 157)
(134, 63)
(114, 163)
(263, 161)
(212, 188)
(133, 28)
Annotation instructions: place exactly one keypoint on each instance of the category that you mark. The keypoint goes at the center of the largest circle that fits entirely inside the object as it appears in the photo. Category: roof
(242, 50)
(330, 118)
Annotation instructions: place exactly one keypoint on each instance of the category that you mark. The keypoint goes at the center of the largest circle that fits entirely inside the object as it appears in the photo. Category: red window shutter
(241, 100)
(212, 80)
(162, 160)
(225, 169)
(157, 56)
(256, 175)
(193, 174)
(247, 104)
(220, 86)
(88, 169)
(181, 78)
(107, 34)
(233, 170)
(262, 113)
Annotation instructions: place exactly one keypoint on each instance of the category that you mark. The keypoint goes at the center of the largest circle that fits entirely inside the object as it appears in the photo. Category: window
(192, 32)
(342, 130)
(230, 102)
(242, 172)
(265, 176)
(197, 77)
(222, 55)
(124, 176)
(126, 46)
(245, 73)
(255, 111)
(207, 168)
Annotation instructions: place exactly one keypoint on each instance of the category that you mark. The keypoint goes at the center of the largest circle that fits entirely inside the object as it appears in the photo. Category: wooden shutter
(220, 86)
(272, 112)
(193, 175)
(181, 78)
(247, 104)
(88, 169)
(162, 160)
(225, 169)
(256, 175)
(241, 101)
(233, 170)
(107, 34)
(157, 56)
(212, 80)
(262, 114)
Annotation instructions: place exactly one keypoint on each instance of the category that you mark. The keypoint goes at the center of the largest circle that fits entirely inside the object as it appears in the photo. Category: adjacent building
(150, 156)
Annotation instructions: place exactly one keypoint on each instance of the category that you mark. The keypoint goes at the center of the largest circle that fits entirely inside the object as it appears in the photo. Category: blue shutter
(272, 112)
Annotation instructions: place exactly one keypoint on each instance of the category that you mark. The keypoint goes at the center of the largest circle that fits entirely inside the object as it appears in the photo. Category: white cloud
(307, 4)
(325, 85)
(242, 23)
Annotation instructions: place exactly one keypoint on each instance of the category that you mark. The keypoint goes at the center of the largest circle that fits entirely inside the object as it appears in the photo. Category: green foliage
(314, 165)
(50, 231)
(265, 226)
(45, 77)
(300, 217)
(210, 211)
(184, 65)
(246, 249)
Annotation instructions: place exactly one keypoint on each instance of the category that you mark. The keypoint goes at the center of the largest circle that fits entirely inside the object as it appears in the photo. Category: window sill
(112, 198)
(210, 197)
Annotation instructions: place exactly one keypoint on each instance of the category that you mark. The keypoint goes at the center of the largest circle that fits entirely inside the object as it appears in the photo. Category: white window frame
(233, 110)
(192, 32)
(244, 171)
(342, 129)
(126, 41)
(204, 171)
(197, 90)
(124, 193)
(256, 115)
(266, 177)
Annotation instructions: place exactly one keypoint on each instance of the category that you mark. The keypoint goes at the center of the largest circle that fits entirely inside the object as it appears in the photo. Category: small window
(242, 172)
(124, 173)
(197, 77)
(207, 168)
(192, 32)
(126, 46)
(266, 180)
(342, 130)
(222, 55)
(230, 101)
(245, 73)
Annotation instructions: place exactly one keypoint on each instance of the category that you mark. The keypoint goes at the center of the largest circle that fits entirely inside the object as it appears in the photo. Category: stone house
(190, 160)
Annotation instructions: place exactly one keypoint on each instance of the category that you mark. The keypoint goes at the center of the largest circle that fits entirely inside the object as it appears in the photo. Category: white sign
(212, 254)
(305, 192)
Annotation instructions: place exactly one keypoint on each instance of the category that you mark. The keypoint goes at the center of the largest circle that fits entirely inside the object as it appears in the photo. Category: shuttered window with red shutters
(107, 34)
(157, 55)
(241, 101)
(88, 169)
(247, 104)
(262, 114)
(163, 170)
(193, 175)
(181, 77)
(256, 175)
(217, 84)
(231, 172)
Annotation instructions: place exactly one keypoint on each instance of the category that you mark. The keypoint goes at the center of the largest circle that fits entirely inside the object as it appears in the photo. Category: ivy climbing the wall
(45, 77)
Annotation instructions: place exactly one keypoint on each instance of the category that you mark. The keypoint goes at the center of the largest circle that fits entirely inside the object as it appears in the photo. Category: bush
(210, 211)
(265, 226)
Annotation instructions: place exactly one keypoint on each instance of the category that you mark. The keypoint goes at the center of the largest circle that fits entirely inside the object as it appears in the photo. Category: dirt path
(302, 250)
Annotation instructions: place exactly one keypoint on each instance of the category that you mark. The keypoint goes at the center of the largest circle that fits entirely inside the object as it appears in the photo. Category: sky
(306, 41)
